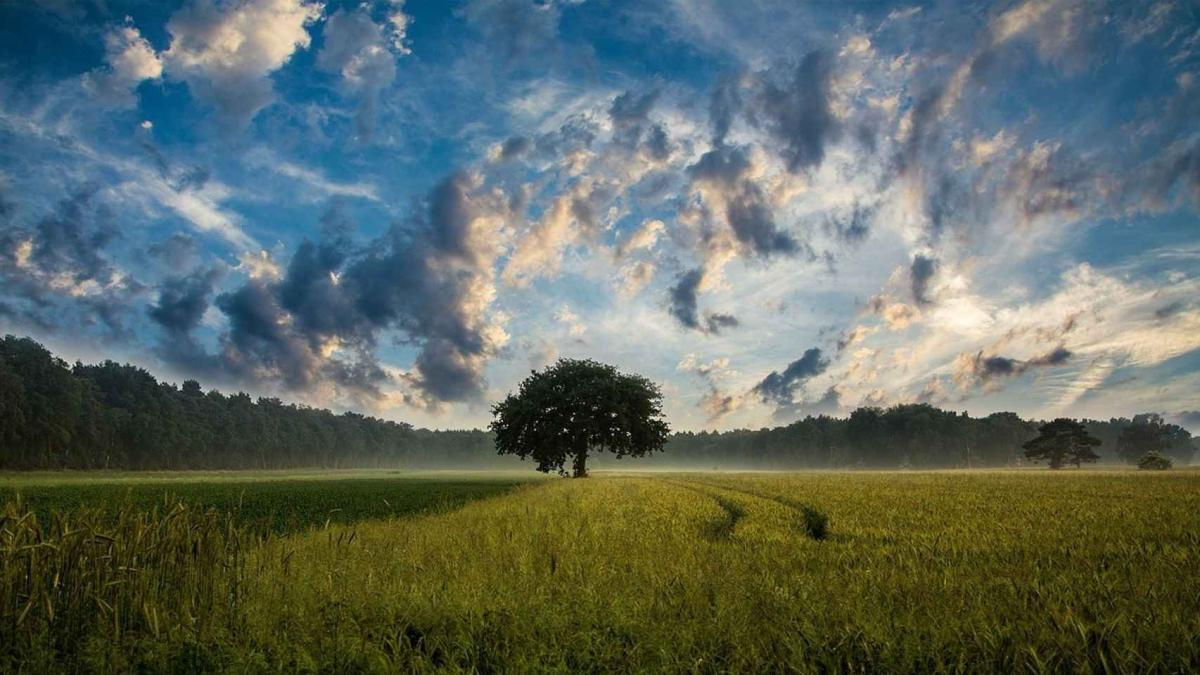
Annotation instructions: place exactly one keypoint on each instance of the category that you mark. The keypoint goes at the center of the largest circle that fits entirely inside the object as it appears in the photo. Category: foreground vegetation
(695, 572)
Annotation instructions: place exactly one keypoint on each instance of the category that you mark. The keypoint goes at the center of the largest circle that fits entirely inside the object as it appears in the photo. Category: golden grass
(920, 572)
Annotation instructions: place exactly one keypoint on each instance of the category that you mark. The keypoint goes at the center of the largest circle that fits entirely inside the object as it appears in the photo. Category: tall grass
(939, 572)
(98, 586)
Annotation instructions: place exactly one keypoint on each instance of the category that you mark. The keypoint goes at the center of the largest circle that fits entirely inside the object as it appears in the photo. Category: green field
(919, 572)
(282, 501)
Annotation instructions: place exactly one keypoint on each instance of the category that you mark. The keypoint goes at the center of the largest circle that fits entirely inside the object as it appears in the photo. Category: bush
(816, 523)
(1154, 461)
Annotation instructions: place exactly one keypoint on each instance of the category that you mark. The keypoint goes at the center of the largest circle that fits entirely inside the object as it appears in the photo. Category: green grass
(916, 572)
(277, 501)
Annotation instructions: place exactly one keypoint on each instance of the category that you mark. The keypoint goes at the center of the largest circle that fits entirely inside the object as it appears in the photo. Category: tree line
(109, 415)
(919, 436)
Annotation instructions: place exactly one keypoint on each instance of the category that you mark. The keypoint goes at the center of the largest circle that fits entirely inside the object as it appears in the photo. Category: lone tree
(1154, 461)
(1062, 441)
(576, 407)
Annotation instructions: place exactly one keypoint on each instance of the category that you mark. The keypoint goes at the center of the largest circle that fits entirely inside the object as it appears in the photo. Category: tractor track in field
(734, 512)
(805, 512)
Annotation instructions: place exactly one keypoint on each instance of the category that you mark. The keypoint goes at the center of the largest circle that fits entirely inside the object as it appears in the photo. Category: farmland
(920, 571)
(279, 501)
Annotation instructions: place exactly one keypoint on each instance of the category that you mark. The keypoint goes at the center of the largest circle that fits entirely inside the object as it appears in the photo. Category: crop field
(276, 501)
(809, 572)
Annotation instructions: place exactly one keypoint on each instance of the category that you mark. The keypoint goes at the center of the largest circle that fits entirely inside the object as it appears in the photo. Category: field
(263, 500)
(916, 572)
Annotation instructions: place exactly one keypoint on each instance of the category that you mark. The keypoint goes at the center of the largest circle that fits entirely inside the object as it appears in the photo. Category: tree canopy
(577, 407)
(1062, 441)
(1149, 433)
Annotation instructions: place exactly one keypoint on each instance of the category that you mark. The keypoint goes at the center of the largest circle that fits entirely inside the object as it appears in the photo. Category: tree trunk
(581, 464)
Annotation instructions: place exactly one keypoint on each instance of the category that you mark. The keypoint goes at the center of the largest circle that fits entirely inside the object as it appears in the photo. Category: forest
(55, 415)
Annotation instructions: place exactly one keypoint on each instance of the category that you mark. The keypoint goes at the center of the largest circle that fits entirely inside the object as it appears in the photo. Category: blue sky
(773, 209)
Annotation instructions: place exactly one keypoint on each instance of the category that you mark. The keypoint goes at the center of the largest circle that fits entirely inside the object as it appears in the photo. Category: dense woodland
(109, 415)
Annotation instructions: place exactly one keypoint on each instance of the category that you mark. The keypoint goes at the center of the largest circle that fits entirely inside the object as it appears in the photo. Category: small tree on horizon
(1154, 461)
(1062, 441)
(574, 408)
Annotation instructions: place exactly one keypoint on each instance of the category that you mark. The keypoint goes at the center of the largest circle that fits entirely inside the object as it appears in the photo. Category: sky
(773, 209)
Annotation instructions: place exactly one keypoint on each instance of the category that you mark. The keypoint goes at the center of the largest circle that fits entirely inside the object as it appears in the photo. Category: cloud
(226, 51)
(634, 276)
(576, 328)
(796, 112)
(514, 28)
(643, 238)
(780, 388)
(896, 315)
(129, 60)
(977, 369)
(318, 321)
(631, 109)
(722, 178)
(715, 403)
(182, 301)
(512, 148)
(357, 49)
(64, 252)
(684, 301)
(921, 272)
(62, 259)
(1188, 419)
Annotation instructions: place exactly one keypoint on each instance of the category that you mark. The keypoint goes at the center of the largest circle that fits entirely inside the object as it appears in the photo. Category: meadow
(807, 572)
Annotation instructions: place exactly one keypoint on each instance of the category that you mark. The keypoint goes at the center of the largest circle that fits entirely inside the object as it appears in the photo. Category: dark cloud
(796, 112)
(980, 369)
(1188, 419)
(632, 109)
(780, 388)
(715, 323)
(514, 147)
(656, 144)
(830, 403)
(683, 296)
(1169, 310)
(920, 273)
(68, 241)
(321, 320)
(747, 209)
(59, 272)
(259, 343)
(182, 301)
(852, 227)
(684, 305)
(576, 134)
(723, 107)
(1055, 357)
(177, 252)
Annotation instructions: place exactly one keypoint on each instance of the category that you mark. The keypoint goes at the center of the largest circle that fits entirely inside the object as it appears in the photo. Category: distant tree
(576, 407)
(1154, 461)
(1148, 433)
(1062, 441)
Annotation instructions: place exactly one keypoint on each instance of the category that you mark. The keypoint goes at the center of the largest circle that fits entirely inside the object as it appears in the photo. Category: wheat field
(810, 572)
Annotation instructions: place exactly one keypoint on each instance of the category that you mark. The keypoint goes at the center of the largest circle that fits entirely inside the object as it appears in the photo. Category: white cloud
(129, 60)
(225, 51)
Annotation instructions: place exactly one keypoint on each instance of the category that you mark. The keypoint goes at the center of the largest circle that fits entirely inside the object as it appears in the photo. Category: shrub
(816, 523)
(1154, 461)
